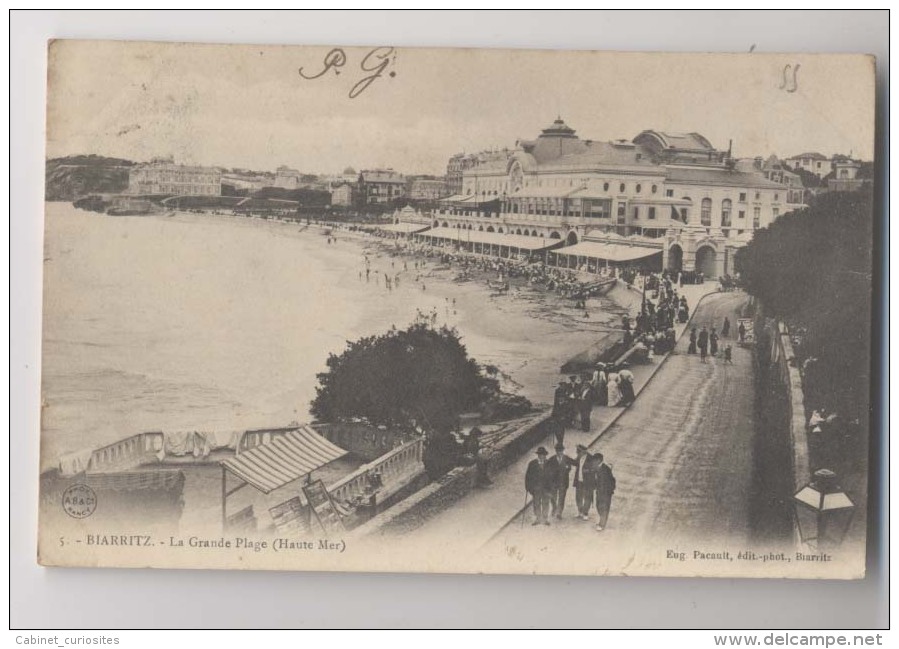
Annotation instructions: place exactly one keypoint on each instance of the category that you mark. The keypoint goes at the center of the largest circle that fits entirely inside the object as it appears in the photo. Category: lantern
(823, 511)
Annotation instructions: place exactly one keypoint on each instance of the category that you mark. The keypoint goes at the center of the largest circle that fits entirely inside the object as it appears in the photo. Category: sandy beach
(201, 322)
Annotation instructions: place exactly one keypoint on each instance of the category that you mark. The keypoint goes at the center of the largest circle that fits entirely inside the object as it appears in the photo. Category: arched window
(605, 187)
(725, 213)
(705, 213)
(639, 187)
(621, 188)
(655, 188)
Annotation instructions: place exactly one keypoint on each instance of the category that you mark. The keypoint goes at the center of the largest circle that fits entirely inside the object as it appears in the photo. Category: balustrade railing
(127, 453)
(390, 468)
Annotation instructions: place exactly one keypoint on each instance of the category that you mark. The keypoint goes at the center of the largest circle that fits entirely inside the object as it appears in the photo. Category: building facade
(845, 176)
(343, 195)
(247, 182)
(165, 177)
(379, 186)
(813, 162)
(426, 189)
(455, 168)
(672, 191)
(287, 178)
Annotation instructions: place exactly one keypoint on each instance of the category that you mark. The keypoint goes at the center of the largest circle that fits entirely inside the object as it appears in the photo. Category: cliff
(73, 176)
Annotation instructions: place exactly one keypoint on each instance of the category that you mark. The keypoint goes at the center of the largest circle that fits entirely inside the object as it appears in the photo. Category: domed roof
(558, 129)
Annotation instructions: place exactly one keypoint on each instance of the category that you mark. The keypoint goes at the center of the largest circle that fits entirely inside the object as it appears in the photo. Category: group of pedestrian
(574, 400)
(707, 342)
(547, 480)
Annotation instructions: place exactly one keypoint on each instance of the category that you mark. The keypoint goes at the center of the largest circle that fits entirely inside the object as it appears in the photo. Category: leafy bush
(419, 376)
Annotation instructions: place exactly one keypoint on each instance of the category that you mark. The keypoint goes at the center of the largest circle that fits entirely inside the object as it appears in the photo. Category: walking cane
(524, 508)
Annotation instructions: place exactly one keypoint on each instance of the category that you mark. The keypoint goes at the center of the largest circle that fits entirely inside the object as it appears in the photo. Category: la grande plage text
(243, 543)
(220, 543)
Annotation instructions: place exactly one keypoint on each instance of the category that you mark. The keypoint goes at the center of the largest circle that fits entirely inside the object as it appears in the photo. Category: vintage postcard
(456, 310)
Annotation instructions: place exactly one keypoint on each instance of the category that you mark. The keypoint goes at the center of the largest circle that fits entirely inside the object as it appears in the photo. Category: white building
(342, 195)
(675, 190)
(381, 186)
(165, 177)
(813, 162)
(287, 178)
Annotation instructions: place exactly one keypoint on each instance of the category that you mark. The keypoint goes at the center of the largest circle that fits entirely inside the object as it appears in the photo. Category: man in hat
(560, 465)
(472, 449)
(604, 487)
(538, 481)
(583, 492)
(560, 404)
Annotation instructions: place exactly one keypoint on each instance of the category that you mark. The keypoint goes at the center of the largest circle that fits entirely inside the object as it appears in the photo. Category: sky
(248, 106)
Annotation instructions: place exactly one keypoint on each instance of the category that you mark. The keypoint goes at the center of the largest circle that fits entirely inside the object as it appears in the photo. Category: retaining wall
(417, 509)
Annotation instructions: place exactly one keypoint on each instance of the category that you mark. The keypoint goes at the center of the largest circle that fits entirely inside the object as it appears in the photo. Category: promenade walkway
(474, 522)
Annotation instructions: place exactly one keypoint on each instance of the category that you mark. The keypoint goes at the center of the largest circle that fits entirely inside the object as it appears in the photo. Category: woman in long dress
(626, 387)
(614, 390)
(601, 385)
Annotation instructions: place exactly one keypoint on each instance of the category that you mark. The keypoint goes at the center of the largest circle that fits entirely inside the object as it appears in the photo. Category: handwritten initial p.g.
(334, 59)
(375, 62)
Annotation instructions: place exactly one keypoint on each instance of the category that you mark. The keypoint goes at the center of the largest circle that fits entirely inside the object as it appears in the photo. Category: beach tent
(287, 456)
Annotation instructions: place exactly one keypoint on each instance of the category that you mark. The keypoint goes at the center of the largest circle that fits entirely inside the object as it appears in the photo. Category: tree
(813, 267)
(809, 180)
(420, 376)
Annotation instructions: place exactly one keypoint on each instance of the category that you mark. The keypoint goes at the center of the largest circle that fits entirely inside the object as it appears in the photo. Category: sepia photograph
(449, 310)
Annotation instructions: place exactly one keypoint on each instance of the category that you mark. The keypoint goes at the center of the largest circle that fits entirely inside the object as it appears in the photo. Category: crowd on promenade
(548, 479)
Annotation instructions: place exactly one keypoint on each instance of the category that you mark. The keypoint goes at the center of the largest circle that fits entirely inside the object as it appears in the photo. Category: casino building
(163, 176)
(662, 200)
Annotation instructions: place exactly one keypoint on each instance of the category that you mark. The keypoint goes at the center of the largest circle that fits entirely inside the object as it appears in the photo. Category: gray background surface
(78, 598)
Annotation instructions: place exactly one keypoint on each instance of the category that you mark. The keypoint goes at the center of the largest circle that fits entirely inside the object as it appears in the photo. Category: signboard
(323, 507)
(243, 522)
(749, 337)
(290, 517)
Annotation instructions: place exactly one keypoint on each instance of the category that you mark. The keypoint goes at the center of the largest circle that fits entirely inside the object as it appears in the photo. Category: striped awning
(404, 227)
(286, 458)
(460, 235)
(609, 251)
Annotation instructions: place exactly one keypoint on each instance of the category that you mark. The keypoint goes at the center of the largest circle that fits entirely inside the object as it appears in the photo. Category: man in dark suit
(561, 405)
(586, 397)
(583, 485)
(538, 481)
(561, 468)
(604, 487)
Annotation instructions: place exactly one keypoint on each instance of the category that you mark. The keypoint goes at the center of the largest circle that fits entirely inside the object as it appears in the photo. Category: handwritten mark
(376, 62)
(334, 59)
(790, 81)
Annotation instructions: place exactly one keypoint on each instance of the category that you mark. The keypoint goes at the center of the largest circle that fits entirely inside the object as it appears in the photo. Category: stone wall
(782, 439)
(417, 509)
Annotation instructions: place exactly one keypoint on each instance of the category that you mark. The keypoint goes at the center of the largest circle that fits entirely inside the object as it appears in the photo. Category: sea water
(202, 322)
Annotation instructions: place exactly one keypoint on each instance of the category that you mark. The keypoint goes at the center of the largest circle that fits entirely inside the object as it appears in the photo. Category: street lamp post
(823, 511)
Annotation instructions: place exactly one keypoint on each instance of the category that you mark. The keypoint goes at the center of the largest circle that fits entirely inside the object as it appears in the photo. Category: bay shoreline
(528, 334)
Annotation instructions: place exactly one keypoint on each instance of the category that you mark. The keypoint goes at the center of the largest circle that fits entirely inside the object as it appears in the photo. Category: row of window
(176, 178)
(742, 199)
(194, 190)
